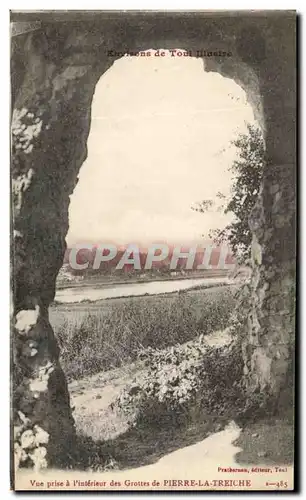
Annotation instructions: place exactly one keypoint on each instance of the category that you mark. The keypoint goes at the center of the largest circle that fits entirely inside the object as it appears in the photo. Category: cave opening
(157, 146)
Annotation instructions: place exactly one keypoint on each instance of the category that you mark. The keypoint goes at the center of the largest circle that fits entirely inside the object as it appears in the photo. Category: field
(102, 335)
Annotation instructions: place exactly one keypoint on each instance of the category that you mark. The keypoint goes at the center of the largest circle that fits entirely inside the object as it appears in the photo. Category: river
(80, 293)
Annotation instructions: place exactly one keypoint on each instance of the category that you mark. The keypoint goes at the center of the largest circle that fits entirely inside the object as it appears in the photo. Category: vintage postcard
(153, 189)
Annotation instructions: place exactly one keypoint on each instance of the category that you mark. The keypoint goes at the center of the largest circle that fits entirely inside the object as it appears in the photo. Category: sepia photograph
(153, 250)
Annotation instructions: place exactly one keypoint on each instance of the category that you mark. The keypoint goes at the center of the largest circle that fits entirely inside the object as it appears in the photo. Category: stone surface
(55, 67)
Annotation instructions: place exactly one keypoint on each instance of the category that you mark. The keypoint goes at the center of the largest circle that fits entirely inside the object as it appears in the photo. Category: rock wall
(50, 125)
(271, 322)
(55, 67)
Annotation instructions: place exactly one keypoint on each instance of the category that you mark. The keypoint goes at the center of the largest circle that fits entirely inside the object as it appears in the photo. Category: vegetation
(190, 382)
(101, 340)
(247, 174)
(185, 377)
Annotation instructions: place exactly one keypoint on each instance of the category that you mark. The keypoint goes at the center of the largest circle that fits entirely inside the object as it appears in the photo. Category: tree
(247, 174)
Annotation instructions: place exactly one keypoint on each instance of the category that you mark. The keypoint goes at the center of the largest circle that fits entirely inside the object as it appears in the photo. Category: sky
(159, 143)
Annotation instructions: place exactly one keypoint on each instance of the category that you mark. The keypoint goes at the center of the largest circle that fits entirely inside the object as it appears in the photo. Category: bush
(183, 377)
(106, 339)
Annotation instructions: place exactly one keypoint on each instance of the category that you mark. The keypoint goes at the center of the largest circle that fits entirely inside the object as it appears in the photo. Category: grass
(101, 338)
